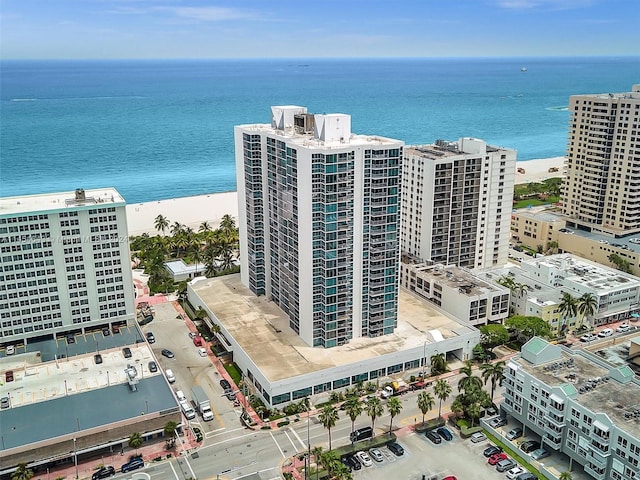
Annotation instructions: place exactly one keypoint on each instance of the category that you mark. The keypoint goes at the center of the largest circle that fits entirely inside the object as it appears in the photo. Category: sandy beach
(192, 211)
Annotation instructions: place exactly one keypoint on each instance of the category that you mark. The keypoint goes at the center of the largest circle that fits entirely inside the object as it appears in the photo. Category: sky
(159, 29)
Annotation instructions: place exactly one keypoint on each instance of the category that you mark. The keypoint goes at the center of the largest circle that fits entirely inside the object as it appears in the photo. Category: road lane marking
(277, 445)
(304, 445)
(295, 449)
(174, 471)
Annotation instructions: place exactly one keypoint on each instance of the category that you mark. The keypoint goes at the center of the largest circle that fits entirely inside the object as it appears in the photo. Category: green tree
(426, 402)
(374, 409)
(317, 455)
(469, 379)
(161, 223)
(493, 372)
(587, 305)
(565, 476)
(493, 335)
(135, 441)
(394, 407)
(568, 308)
(529, 327)
(552, 247)
(22, 473)
(353, 409)
(442, 390)
(170, 428)
(328, 460)
(328, 417)
(438, 364)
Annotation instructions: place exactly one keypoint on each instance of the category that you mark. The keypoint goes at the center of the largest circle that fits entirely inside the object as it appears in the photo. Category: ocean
(164, 129)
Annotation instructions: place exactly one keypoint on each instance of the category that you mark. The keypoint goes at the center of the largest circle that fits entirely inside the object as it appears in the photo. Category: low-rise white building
(282, 368)
(538, 285)
(457, 291)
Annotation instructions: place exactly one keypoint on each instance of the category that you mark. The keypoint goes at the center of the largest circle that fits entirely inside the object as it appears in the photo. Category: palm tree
(22, 472)
(176, 228)
(353, 409)
(374, 409)
(565, 476)
(552, 247)
(442, 389)
(161, 223)
(317, 454)
(135, 441)
(394, 406)
(568, 308)
(204, 227)
(438, 364)
(493, 372)
(328, 417)
(228, 224)
(521, 288)
(328, 460)
(426, 402)
(587, 305)
(469, 380)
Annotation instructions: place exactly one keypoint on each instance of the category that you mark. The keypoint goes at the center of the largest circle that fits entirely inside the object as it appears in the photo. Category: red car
(198, 341)
(450, 477)
(493, 459)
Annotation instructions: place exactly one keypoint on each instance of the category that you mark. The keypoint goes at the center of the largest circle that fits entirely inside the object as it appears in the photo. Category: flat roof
(446, 149)
(59, 201)
(74, 393)
(255, 322)
(539, 215)
(608, 396)
(629, 243)
(456, 277)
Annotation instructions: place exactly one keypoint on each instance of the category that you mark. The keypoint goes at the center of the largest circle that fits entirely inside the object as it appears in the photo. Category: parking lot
(458, 457)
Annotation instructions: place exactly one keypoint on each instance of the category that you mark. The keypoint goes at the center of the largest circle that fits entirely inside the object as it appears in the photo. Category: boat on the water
(523, 69)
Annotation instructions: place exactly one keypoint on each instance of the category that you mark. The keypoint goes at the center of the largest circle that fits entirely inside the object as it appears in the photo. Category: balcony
(595, 473)
(554, 442)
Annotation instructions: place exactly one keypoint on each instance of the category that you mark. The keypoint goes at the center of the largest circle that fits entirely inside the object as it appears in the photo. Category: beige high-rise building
(457, 199)
(602, 183)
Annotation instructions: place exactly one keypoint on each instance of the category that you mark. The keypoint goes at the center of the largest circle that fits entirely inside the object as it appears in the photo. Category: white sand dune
(192, 211)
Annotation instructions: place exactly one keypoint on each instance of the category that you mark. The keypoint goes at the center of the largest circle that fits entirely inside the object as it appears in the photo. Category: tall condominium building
(602, 184)
(319, 216)
(64, 263)
(457, 201)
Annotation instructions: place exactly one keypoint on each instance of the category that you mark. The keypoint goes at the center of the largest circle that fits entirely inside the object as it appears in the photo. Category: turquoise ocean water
(162, 129)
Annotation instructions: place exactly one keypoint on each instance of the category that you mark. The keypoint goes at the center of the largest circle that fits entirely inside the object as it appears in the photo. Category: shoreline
(193, 210)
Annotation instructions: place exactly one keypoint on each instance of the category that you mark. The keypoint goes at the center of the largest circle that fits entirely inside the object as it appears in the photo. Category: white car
(607, 332)
(10, 350)
(376, 455)
(589, 337)
(514, 472)
(623, 327)
(364, 459)
(634, 240)
(202, 352)
(478, 437)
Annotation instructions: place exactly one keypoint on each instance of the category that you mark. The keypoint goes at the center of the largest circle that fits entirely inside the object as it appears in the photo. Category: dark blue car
(445, 433)
(133, 464)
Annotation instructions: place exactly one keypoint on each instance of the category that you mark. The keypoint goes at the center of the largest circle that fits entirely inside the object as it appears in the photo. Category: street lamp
(75, 456)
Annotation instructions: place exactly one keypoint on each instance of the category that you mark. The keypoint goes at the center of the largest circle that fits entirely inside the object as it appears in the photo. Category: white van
(170, 376)
(180, 395)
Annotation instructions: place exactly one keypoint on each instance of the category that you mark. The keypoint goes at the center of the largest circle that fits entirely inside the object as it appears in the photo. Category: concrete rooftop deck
(262, 330)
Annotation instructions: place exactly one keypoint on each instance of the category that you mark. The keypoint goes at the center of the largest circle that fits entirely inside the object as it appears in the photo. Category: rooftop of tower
(443, 149)
(634, 94)
(263, 332)
(51, 202)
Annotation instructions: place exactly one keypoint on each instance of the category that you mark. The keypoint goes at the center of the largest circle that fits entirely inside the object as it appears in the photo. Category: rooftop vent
(80, 194)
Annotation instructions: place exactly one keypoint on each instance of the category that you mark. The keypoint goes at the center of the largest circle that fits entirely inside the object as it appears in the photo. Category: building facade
(601, 190)
(457, 199)
(64, 263)
(319, 220)
(457, 291)
(535, 228)
(578, 405)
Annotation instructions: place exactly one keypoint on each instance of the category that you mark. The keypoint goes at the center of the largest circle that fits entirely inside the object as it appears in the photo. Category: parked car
(607, 332)
(106, 332)
(133, 464)
(529, 446)
(115, 329)
(396, 449)
(225, 384)
(170, 376)
(167, 353)
(514, 472)
(504, 465)
(103, 472)
(498, 422)
(4, 403)
(193, 334)
(202, 352)
(153, 367)
(526, 476)
(97, 358)
(352, 462)
(623, 327)
(478, 437)
(376, 454)
(514, 433)
(540, 453)
(495, 458)
(151, 337)
(126, 351)
(8, 376)
(433, 436)
(588, 337)
(445, 433)
(491, 450)
(10, 350)
(364, 459)
(71, 338)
